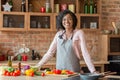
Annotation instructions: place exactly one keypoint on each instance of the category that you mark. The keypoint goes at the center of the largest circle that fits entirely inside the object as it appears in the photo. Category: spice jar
(47, 6)
(71, 7)
(57, 8)
(63, 7)
(24, 57)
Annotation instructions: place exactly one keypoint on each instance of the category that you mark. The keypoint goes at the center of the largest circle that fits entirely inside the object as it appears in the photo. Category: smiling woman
(64, 45)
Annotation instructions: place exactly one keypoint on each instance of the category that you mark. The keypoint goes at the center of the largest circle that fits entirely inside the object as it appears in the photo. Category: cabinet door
(40, 22)
(89, 22)
(13, 21)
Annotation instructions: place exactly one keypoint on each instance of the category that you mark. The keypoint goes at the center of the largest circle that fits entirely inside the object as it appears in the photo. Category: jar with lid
(23, 6)
(30, 7)
(47, 6)
(46, 22)
(39, 25)
(5, 21)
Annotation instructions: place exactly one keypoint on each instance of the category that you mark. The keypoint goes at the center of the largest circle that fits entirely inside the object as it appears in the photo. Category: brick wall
(40, 41)
(110, 12)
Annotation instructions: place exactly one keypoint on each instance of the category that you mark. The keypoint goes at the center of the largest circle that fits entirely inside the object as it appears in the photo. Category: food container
(63, 7)
(71, 7)
(57, 8)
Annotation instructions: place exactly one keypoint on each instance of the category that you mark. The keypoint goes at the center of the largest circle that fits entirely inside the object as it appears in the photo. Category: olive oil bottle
(86, 7)
(11, 3)
(91, 6)
(9, 61)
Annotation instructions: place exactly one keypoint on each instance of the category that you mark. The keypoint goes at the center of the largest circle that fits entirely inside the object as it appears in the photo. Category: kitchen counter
(51, 64)
(52, 78)
(32, 78)
(41, 78)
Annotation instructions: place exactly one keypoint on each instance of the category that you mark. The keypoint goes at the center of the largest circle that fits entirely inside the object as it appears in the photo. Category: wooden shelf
(36, 5)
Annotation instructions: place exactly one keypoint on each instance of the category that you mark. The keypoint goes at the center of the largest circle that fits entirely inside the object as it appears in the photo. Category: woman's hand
(36, 67)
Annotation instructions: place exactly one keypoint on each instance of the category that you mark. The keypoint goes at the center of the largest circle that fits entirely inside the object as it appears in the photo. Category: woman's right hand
(37, 67)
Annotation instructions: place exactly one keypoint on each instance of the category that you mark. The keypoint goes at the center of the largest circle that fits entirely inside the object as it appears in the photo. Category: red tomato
(57, 71)
(42, 74)
(32, 74)
(4, 73)
(8, 74)
(14, 74)
(17, 72)
(11, 73)
(69, 72)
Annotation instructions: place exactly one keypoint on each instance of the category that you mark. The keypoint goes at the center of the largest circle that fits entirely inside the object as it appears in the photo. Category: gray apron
(66, 58)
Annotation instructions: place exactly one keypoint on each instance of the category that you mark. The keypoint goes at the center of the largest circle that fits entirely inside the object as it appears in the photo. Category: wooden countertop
(32, 78)
(51, 62)
(22, 77)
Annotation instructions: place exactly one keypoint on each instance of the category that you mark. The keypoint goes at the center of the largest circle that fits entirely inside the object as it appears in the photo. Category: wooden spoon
(114, 26)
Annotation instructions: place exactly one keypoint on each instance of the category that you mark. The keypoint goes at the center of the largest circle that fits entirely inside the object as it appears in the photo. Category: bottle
(91, 6)
(39, 25)
(95, 7)
(33, 55)
(47, 6)
(6, 21)
(46, 22)
(23, 6)
(19, 66)
(19, 57)
(9, 61)
(86, 7)
(30, 7)
(11, 3)
(38, 56)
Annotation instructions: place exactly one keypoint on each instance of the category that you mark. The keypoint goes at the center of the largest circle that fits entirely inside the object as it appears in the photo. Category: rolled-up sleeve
(85, 53)
(51, 51)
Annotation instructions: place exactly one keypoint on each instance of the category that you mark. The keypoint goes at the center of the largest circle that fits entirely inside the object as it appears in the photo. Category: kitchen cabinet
(13, 21)
(111, 44)
(39, 21)
(30, 21)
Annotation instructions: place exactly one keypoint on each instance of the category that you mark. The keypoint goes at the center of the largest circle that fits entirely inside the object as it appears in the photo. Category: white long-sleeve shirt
(79, 46)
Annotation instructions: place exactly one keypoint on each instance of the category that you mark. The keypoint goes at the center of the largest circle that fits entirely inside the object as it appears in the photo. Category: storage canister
(71, 7)
(63, 7)
(57, 8)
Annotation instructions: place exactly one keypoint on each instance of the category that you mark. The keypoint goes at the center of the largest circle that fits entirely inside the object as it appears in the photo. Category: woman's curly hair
(59, 25)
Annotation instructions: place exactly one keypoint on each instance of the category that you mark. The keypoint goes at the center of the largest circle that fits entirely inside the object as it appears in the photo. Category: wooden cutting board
(67, 75)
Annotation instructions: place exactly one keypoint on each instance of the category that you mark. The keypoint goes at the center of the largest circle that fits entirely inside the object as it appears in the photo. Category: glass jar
(5, 24)
(30, 7)
(47, 6)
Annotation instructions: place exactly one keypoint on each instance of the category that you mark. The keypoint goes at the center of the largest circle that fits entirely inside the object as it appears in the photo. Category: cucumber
(38, 73)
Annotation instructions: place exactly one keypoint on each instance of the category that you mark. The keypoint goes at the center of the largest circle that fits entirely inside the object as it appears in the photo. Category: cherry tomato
(42, 74)
(4, 73)
(31, 74)
(17, 72)
(14, 74)
(69, 72)
(8, 74)
(57, 71)
(11, 73)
